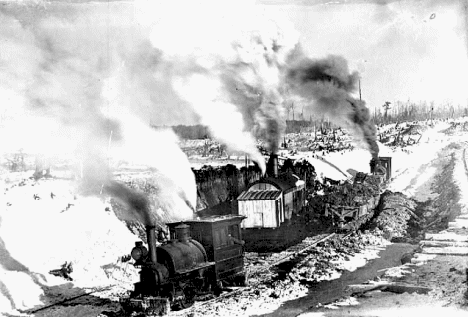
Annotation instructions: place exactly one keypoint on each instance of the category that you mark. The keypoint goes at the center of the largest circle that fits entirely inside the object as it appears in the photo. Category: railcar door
(258, 219)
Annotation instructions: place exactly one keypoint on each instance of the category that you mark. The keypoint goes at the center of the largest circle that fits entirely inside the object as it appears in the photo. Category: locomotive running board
(196, 267)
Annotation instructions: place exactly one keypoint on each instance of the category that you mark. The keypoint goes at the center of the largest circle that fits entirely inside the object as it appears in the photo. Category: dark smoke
(362, 117)
(333, 69)
(274, 128)
(135, 201)
(328, 84)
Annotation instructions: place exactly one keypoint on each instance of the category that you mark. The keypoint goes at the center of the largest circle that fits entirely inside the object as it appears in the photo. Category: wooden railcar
(269, 202)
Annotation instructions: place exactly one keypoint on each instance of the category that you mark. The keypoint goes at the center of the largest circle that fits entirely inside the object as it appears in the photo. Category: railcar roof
(260, 195)
(215, 218)
(283, 182)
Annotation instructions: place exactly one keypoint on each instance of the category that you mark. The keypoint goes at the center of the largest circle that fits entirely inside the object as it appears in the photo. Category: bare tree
(386, 107)
(292, 106)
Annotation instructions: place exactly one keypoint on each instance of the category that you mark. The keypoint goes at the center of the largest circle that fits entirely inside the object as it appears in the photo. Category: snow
(361, 258)
(41, 235)
(37, 236)
(18, 290)
(384, 308)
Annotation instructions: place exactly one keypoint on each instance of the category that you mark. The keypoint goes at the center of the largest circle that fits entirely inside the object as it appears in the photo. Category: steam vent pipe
(151, 236)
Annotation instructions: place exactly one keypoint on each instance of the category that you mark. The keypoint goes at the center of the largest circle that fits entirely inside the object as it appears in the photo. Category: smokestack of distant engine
(272, 167)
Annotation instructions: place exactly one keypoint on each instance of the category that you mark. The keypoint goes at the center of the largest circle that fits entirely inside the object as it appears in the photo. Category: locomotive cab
(222, 238)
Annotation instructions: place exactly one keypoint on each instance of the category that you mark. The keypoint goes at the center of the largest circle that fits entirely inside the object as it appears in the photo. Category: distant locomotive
(200, 256)
(382, 166)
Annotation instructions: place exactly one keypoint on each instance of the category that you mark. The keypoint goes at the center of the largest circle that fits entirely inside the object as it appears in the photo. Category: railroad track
(274, 260)
(290, 253)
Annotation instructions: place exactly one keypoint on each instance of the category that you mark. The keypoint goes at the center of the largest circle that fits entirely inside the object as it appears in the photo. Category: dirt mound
(393, 214)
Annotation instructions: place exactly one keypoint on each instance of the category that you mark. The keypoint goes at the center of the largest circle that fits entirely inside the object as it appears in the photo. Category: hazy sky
(403, 49)
(52, 49)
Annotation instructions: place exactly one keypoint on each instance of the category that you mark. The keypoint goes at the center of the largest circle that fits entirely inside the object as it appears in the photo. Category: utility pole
(360, 97)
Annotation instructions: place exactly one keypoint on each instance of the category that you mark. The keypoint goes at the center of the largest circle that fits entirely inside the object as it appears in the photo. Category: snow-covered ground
(44, 224)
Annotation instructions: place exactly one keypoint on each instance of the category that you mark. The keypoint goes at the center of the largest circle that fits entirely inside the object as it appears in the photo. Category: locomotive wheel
(218, 288)
(187, 298)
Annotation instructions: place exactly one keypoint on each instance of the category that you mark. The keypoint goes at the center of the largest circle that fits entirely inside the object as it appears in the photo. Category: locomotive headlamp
(139, 251)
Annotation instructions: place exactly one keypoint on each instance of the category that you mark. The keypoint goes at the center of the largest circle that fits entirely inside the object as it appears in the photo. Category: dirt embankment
(217, 185)
(404, 219)
(393, 215)
(447, 202)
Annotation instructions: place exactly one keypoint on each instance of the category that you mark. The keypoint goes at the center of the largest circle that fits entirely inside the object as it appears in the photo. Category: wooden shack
(271, 201)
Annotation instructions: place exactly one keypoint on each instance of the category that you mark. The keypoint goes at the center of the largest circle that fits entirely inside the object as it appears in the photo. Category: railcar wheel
(240, 280)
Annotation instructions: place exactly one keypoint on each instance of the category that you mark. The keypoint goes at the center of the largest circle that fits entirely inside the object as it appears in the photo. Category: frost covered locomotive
(199, 258)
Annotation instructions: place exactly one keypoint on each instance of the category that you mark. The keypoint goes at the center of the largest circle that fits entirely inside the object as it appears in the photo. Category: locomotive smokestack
(273, 165)
(151, 236)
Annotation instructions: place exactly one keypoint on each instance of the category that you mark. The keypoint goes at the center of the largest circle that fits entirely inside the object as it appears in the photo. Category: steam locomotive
(201, 256)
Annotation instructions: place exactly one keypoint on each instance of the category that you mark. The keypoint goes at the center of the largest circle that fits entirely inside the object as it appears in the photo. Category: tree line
(401, 111)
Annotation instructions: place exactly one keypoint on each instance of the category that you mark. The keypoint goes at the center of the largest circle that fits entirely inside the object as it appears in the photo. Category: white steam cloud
(225, 62)
(58, 73)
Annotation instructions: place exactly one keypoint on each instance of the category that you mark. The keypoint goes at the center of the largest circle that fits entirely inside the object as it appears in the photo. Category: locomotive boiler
(199, 258)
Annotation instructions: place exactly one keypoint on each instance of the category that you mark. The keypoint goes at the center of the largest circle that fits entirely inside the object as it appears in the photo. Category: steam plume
(328, 85)
(59, 73)
(225, 62)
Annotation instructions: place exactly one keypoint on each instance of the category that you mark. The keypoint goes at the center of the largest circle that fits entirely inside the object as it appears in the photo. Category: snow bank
(409, 164)
(45, 225)
(460, 174)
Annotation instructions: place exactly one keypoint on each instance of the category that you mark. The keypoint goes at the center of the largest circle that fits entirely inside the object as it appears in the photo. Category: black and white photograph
(202, 158)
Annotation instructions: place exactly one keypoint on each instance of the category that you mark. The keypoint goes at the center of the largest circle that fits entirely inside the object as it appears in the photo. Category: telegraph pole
(360, 98)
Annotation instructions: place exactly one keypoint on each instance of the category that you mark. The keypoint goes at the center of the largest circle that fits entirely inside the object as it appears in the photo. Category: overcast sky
(50, 50)
(404, 49)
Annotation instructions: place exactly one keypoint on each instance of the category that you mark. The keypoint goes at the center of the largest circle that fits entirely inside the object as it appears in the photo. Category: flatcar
(343, 215)
(200, 256)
